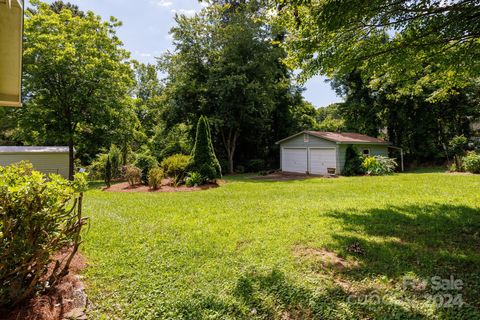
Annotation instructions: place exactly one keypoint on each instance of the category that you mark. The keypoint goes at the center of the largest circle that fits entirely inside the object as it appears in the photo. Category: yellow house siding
(43, 162)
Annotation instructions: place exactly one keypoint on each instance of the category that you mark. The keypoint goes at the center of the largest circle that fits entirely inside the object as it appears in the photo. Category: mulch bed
(166, 187)
(67, 297)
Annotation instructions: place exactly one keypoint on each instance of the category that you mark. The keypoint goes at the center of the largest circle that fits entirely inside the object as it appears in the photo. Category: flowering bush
(379, 165)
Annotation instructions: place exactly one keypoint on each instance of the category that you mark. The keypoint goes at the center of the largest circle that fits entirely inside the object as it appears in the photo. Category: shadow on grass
(272, 295)
(432, 240)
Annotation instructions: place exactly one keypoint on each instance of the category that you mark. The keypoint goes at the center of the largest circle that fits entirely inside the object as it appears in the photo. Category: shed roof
(37, 149)
(342, 137)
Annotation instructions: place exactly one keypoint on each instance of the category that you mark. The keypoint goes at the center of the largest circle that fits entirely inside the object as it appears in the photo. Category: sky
(145, 33)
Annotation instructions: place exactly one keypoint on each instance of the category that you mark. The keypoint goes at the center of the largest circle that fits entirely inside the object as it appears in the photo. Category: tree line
(234, 63)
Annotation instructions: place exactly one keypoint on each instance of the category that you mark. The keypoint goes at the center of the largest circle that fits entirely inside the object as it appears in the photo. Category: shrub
(256, 165)
(378, 165)
(472, 162)
(194, 179)
(155, 176)
(353, 162)
(96, 170)
(175, 167)
(133, 175)
(115, 155)
(39, 216)
(204, 160)
(458, 145)
(108, 172)
(145, 162)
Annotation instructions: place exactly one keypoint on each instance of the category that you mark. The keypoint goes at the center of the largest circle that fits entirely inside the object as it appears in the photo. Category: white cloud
(163, 3)
(186, 12)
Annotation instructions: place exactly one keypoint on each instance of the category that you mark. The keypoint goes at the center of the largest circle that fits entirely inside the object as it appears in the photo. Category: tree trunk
(230, 143)
(71, 158)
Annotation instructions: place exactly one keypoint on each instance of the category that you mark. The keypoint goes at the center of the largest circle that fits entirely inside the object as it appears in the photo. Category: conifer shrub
(203, 159)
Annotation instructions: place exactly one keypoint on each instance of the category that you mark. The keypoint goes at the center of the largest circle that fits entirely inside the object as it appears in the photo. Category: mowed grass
(311, 249)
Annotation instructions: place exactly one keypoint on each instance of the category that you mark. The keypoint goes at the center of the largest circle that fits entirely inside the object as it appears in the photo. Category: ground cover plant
(301, 249)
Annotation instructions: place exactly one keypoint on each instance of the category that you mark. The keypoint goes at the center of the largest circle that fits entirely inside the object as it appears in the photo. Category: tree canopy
(415, 45)
(77, 80)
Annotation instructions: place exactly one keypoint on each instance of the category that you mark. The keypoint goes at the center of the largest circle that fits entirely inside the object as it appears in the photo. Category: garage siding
(313, 142)
(43, 162)
(375, 150)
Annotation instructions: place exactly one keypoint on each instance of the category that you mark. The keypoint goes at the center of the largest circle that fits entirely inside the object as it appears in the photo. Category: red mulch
(166, 187)
(56, 302)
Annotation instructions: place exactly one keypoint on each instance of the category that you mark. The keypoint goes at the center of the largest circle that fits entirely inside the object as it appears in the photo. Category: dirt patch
(66, 298)
(328, 259)
(288, 176)
(166, 187)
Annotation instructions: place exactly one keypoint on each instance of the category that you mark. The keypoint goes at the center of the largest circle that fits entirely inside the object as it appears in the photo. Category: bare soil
(57, 302)
(326, 258)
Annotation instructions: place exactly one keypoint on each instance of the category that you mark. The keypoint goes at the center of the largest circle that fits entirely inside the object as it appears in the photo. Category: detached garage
(317, 152)
(44, 159)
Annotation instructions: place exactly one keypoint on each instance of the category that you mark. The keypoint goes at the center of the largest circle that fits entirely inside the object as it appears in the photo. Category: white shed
(44, 159)
(318, 152)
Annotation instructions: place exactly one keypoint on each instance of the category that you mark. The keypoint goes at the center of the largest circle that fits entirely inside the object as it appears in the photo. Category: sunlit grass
(229, 253)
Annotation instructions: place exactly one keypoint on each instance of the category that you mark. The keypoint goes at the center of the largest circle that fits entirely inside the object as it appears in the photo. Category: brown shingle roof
(346, 137)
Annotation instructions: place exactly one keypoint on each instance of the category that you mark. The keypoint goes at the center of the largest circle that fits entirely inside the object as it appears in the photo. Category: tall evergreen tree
(204, 160)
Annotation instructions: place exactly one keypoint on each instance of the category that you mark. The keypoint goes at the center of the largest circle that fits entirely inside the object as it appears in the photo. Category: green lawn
(256, 249)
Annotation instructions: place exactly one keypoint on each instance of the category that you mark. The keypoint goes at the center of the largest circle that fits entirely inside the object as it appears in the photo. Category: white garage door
(321, 159)
(294, 160)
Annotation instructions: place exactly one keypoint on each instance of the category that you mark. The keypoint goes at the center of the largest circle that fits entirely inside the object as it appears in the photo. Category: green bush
(353, 162)
(96, 170)
(155, 177)
(39, 216)
(133, 175)
(458, 145)
(378, 165)
(204, 160)
(471, 162)
(194, 179)
(145, 162)
(256, 165)
(175, 167)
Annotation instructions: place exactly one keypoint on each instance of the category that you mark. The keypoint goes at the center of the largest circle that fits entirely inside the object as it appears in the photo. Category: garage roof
(341, 137)
(33, 149)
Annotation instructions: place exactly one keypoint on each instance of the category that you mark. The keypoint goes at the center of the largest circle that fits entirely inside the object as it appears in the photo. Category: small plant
(194, 179)
(39, 216)
(239, 169)
(175, 167)
(204, 160)
(145, 161)
(155, 177)
(133, 175)
(353, 162)
(115, 155)
(108, 172)
(378, 165)
(471, 162)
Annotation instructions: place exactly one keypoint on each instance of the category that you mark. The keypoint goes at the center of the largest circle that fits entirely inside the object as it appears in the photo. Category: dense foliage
(175, 167)
(145, 161)
(353, 162)
(471, 162)
(39, 216)
(76, 78)
(378, 165)
(203, 159)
